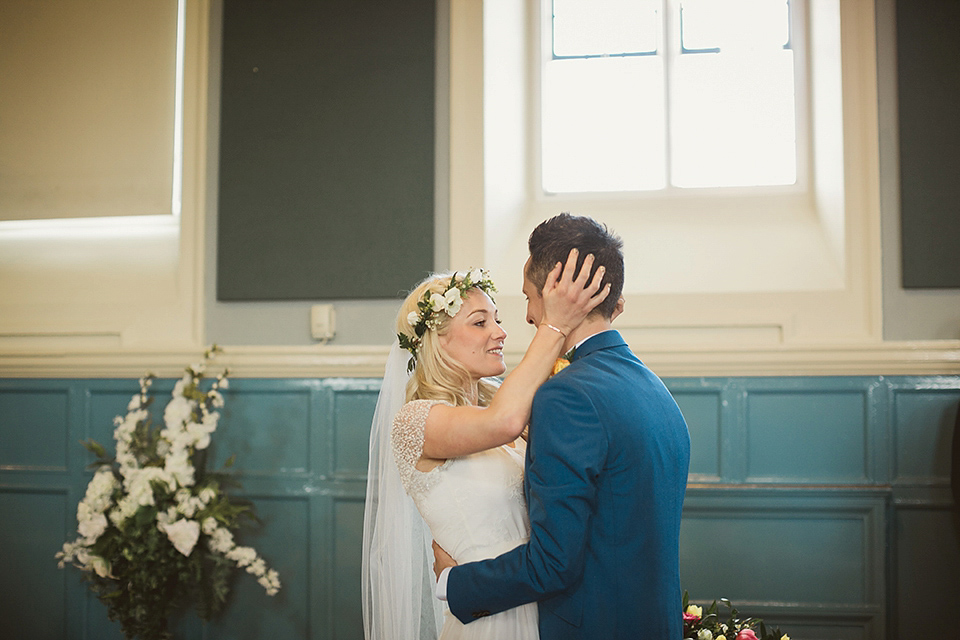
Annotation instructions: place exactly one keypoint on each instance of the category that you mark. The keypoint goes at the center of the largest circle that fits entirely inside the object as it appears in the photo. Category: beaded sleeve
(407, 438)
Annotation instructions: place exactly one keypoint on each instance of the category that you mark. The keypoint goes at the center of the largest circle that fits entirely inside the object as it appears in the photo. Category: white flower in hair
(454, 300)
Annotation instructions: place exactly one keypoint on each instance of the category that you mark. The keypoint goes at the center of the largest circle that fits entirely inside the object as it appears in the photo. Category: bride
(446, 453)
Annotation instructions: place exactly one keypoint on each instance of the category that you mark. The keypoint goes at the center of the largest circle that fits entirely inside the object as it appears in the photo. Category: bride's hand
(568, 300)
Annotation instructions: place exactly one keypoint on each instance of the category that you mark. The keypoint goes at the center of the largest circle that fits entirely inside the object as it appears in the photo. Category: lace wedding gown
(475, 509)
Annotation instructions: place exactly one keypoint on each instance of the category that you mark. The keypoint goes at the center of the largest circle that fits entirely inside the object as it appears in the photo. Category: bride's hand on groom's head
(568, 300)
(441, 559)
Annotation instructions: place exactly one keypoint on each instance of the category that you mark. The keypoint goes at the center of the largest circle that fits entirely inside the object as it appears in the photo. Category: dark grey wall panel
(326, 148)
(929, 103)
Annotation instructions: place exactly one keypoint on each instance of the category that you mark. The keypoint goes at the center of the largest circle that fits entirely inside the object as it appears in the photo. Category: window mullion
(669, 43)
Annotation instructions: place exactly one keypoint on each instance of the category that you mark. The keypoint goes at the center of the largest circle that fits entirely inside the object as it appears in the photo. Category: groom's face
(534, 299)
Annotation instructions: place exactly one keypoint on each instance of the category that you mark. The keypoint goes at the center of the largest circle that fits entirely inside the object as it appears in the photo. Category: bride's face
(475, 338)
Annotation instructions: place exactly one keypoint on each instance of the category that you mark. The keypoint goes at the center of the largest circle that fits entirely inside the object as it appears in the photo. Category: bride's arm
(457, 431)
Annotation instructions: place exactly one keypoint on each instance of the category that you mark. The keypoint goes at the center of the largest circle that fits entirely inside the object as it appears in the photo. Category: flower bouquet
(698, 625)
(156, 530)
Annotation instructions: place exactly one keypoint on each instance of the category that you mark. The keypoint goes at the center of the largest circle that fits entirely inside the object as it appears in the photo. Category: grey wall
(928, 314)
(358, 322)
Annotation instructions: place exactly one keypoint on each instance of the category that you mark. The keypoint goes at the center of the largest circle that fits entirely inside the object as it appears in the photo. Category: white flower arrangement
(147, 510)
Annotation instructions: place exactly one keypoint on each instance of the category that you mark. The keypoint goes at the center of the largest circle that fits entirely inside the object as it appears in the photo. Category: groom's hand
(442, 559)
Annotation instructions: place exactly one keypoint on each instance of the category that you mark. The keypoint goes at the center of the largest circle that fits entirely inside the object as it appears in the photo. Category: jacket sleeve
(566, 452)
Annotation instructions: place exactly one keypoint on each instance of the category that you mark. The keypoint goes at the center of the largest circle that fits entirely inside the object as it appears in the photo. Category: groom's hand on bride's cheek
(442, 559)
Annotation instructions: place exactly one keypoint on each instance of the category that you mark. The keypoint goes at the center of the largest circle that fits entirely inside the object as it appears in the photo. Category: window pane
(88, 109)
(598, 27)
(603, 125)
(733, 120)
(735, 24)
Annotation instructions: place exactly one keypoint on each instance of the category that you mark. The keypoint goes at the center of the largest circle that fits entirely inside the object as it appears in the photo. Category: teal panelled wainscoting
(819, 503)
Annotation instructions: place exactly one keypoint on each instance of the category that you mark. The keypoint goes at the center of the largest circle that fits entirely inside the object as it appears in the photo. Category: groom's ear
(618, 309)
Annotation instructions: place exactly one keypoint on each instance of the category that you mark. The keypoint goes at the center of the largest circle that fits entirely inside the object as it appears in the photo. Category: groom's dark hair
(552, 241)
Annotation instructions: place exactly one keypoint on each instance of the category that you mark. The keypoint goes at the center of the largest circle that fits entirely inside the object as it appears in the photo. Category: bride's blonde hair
(437, 375)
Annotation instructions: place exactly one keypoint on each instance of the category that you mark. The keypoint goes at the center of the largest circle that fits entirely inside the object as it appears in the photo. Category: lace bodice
(473, 505)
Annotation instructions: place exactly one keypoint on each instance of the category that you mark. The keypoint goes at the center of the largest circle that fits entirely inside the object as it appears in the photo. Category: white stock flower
(68, 553)
(270, 581)
(117, 517)
(190, 506)
(210, 420)
(216, 398)
(209, 525)
(258, 567)
(476, 275)
(178, 411)
(243, 556)
(412, 318)
(221, 540)
(437, 302)
(166, 517)
(92, 527)
(207, 494)
(100, 490)
(199, 435)
(178, 465)
(183, 534)
(704, 634)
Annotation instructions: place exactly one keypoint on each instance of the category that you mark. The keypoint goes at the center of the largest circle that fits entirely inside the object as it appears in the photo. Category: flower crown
(432, 304)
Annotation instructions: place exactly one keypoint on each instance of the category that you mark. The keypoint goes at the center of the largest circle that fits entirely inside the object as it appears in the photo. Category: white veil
(397, 580)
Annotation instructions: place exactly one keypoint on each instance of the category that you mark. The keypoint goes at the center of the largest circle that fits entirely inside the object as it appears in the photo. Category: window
(94, 129)
(643, 95)
(768, 265)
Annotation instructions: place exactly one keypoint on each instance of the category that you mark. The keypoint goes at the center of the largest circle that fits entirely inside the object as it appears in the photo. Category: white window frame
(770, 271)
(670, 35)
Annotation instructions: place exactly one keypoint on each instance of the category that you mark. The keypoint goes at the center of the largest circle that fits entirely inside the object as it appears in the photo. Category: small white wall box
(323, 321)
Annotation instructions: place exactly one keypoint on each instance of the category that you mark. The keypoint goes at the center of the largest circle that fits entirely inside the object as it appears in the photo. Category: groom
(606, 471)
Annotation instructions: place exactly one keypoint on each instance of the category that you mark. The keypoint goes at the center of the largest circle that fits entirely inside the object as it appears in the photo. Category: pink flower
(689, 617)
(746, 634)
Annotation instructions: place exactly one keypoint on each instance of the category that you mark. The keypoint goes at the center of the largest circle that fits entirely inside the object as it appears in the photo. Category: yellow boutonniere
(563, 361)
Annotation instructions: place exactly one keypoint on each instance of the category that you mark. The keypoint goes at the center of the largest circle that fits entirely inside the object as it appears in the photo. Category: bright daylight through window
(643, 95)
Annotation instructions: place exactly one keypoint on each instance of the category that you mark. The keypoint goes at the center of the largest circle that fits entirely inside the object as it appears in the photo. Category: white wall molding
(898, 358)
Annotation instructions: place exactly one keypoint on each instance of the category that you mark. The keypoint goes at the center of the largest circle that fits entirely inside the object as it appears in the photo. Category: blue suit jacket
(606, 473)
